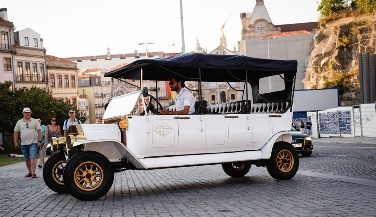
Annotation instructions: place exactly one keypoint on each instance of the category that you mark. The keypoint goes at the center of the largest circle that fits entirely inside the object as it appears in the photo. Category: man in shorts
(30, 134)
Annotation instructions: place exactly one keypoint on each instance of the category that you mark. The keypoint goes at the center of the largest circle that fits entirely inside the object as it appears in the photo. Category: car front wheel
(236, 170)
(284, 161)
(53, 172)
(88, 175)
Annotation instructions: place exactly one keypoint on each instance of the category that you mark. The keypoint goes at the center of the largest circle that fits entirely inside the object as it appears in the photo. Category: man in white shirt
(184, 100)
(29, 131)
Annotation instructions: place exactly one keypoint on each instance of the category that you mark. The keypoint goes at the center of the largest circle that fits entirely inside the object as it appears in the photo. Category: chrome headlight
(70, 140)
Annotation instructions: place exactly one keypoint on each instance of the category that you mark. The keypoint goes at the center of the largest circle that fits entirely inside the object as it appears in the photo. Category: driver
(184, 100)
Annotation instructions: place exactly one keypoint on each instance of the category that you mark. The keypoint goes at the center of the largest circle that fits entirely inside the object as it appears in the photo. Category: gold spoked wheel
(285, 160)
(53, 172)
(57, 172)
(238, 166)
(88, 176)
(237, 169)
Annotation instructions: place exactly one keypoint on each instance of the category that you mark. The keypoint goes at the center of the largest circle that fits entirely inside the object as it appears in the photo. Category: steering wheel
(150, 106)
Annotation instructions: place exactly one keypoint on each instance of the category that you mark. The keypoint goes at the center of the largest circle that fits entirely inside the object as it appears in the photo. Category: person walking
(70, 121)
(26, 128)
(309, 126)
(45, 140)
(302, 126)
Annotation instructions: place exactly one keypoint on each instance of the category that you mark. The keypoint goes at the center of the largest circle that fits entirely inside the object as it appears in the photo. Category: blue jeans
(308, 132)
(29, 151)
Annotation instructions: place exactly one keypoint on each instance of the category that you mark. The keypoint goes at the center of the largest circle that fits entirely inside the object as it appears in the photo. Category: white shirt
(67, 123)
(185, 98)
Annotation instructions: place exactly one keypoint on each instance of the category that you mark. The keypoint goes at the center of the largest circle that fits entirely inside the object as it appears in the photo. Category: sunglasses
(71, 112)
(27, 125)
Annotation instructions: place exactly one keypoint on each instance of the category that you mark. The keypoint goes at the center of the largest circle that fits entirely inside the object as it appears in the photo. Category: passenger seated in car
(184, 100)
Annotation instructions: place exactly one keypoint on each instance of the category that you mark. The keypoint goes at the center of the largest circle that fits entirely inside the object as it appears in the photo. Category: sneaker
(34, 176)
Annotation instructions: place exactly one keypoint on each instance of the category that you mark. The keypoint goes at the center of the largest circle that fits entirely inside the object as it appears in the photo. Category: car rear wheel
(88, 175)
(53, 172)
(236, 170)
(284, 161)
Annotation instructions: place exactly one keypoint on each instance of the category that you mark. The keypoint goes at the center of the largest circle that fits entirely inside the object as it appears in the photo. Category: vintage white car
(253, 130)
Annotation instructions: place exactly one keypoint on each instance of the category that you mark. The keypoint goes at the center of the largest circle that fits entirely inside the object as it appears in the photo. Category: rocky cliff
(334, 60)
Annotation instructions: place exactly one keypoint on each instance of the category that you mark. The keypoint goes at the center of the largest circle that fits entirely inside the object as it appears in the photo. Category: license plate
(297, 145)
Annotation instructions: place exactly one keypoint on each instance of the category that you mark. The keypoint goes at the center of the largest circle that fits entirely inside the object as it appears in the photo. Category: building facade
(29, 60)
(62, 79)
(260, 38)
(7, 49)
(22, 56)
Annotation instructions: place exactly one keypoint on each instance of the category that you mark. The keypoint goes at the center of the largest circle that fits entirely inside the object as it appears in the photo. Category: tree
(328, 7)
(364, 6)
(42, 104)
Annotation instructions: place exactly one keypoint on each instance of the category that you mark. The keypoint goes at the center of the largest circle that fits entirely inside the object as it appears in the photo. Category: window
(35, 72)
(42, 75)
(19, 71)
(52, 80)
(4, 40)
(232, 96)
(26, 41)
(35, 42)
(222, 96)
(28, 73)
(59, 81)
(66, 81)
(7, 64)
(213, 97)
(73, 81)
(260, 28)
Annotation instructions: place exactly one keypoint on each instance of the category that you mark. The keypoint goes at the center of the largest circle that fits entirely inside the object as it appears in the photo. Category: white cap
(26, 110)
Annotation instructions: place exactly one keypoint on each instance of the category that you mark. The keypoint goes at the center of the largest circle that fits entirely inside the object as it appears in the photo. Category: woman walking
(52, 130)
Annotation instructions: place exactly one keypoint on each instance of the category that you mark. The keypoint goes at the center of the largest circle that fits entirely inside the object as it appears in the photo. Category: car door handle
(182, 118)
(275, 116)
(231, 116)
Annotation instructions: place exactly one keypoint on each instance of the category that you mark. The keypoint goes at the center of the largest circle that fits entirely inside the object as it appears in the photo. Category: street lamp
(146, 47)
(182, 27)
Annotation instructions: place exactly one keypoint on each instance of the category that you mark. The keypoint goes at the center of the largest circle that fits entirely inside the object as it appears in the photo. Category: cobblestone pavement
(338, 180)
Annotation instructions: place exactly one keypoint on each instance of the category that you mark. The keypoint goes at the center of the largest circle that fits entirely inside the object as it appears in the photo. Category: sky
(73, 28)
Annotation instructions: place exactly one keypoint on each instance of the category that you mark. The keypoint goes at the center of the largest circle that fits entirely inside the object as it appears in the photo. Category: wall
(345, 121)
(295, 47)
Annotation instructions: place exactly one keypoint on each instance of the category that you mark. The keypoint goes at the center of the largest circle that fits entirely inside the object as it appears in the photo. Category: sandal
(34, 176)
(28, 175)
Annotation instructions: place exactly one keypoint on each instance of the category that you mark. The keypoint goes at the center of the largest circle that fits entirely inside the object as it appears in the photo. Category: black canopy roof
(211, 67)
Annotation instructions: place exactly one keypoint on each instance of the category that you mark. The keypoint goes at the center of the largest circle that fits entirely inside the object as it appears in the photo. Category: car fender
(114, 150)
(283, 136)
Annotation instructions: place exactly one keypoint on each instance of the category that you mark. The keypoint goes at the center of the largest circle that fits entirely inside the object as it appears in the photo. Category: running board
(202, 159)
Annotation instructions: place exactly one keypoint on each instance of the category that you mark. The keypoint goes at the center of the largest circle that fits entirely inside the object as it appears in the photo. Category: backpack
(66, 121)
